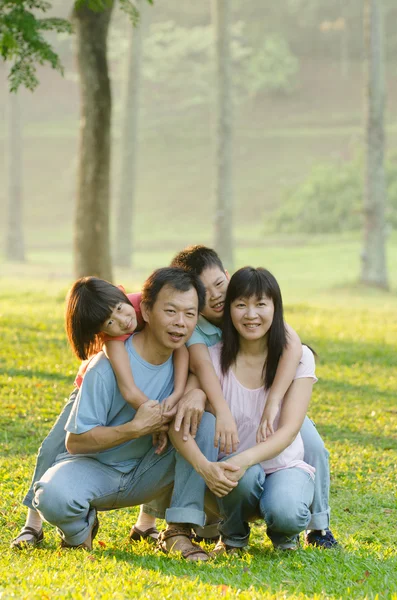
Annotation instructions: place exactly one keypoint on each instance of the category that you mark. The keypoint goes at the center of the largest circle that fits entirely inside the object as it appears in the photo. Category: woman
(273, 481)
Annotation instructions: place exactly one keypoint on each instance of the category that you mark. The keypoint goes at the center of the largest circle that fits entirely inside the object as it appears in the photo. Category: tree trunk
(129, 144)
(223, 133)
(91, 234)
(15, 247)
(373, 268)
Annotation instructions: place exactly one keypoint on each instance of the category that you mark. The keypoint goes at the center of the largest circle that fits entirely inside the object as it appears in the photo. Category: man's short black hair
(196, 259)
(175, 277)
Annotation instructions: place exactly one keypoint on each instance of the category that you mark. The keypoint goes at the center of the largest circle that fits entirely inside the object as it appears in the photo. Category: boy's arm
(225, 430)
(118, 356)
(285, 374)
(181, 371)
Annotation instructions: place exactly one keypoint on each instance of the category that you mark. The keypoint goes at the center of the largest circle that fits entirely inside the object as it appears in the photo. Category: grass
(354, 333)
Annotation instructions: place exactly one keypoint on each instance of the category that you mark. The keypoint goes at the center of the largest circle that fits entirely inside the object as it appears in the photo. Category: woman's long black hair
(247, 282)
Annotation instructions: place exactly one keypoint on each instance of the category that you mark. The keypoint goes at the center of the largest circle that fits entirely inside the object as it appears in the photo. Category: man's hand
(190, 411)
(226, 433)
(148, 418)
(217, 477)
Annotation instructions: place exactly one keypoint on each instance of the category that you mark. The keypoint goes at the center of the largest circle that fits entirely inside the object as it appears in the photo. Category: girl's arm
(181, 371)
(285, 374)
(118, 356)
(225, 429)
(292, 414)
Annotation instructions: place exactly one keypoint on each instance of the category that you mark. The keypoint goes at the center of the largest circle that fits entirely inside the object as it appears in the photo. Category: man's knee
(53, 502)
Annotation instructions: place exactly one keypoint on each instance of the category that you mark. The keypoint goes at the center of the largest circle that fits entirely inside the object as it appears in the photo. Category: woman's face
(252, 317)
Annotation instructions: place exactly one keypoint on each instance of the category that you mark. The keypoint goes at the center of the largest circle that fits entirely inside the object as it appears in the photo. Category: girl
(100, 315)
(273, 481)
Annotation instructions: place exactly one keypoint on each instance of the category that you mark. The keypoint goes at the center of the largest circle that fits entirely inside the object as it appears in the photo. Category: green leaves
(22, 41)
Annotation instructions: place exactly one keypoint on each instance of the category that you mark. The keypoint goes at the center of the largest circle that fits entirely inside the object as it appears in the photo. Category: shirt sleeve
(307, 365)
(88, 411)
(197, 338)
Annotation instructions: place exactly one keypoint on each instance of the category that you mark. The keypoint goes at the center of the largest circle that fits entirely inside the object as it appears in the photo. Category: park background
(298, 167)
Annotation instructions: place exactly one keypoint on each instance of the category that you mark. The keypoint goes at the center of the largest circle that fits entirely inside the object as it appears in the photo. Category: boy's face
(215, 282)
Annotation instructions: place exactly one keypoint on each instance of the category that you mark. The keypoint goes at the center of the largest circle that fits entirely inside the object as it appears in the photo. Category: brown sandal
(37, 537)
(186, 547)
(150, 535)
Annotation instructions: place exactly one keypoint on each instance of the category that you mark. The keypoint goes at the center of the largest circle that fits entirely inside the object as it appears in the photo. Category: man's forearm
(101, 438)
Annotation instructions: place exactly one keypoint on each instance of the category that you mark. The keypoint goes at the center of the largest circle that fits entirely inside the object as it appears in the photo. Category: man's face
(215, 282)
(173, 316)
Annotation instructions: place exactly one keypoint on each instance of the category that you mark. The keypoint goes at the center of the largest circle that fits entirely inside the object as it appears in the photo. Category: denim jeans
(317, 456)
(51, 446)
(71, 491)
(282, 499)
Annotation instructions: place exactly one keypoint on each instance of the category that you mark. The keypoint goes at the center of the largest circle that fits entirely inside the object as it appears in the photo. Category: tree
(125, 208)
(91, 230)
(15, 247)
(373, 266)
(223, 133)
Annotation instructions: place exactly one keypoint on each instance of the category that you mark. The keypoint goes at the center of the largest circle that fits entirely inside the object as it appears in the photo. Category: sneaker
(321, 538)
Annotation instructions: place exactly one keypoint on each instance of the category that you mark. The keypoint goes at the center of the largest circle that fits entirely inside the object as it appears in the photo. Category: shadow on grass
(34, 374)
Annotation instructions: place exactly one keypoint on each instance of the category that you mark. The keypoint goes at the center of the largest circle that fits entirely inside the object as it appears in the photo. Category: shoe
(85, 545)
(34, 540)
(321, 538)
(182, 544)
(150, 535)
(221, 549)
(290, 544)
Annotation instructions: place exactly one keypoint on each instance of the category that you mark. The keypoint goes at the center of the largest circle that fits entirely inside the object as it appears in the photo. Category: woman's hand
(236, 462)
(226, 432)
(217, 477)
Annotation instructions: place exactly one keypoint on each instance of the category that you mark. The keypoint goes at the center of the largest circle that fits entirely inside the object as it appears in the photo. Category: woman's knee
(287, 517)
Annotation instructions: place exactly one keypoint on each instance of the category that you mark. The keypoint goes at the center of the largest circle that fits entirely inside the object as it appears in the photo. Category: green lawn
(354, 333)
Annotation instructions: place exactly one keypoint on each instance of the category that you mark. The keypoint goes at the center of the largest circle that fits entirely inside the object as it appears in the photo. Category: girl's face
(122, 321)
(252, 317)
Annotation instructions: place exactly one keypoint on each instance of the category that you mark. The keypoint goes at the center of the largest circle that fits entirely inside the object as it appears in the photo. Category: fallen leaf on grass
(388, 511)
(102, 544)
(366, 575)
(347, 509)
(224, 589)
(90, 557)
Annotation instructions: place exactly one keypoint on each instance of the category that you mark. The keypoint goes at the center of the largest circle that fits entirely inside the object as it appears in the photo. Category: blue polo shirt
(99, 402)
(205, 333)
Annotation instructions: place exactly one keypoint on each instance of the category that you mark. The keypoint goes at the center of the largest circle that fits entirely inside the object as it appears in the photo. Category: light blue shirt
(99, 402)
(205, 333)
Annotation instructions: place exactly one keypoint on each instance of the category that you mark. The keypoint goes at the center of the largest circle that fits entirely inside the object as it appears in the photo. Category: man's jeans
(282, 499)
(70, 491)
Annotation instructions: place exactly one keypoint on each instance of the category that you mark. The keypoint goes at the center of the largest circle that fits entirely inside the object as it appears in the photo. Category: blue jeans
(317, 456)
(51, 446)
(71, 491)
(282, 499)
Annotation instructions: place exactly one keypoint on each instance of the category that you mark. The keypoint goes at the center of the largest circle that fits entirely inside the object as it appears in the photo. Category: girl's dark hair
(247, 282)
(89, 303)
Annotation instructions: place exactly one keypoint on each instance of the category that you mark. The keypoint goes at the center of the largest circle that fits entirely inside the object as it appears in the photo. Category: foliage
(22, 40)
(330, 199)
(353, 406)
(180, 60)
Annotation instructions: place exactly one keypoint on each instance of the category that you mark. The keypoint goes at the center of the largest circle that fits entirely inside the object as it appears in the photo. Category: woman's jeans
(282, 499)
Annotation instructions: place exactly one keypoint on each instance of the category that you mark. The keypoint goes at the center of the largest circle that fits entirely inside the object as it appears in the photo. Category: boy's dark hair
(177, 278)
(90, 302)
(247, 282)
(197, 259)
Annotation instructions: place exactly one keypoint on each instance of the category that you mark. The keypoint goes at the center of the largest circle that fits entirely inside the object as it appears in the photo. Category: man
(111, 462)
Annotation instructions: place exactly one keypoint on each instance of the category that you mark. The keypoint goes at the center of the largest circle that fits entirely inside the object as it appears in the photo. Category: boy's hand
(168, 404)
(226, 433)
(266, 426)
(160, 441)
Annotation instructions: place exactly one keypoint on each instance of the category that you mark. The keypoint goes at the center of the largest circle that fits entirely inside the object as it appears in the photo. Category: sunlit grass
(353, 407)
